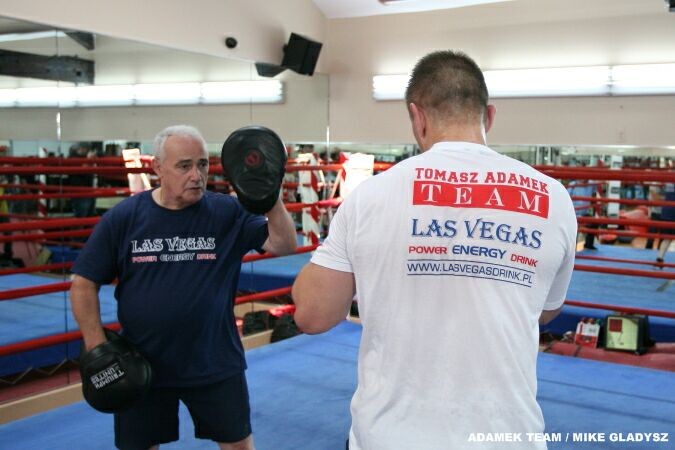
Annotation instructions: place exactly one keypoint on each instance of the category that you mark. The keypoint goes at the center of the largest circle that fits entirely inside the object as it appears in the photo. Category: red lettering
(422, 249)
(489, 196)
(524, 260)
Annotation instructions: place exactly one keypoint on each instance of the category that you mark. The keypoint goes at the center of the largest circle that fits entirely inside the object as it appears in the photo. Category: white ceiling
(337, 9)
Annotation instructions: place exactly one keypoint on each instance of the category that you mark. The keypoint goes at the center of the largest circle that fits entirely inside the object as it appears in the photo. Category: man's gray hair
(175, 130)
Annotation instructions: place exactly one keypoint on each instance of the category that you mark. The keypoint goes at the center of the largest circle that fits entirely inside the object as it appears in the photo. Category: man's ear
(419, 123)
(156, 166)
(490, 113)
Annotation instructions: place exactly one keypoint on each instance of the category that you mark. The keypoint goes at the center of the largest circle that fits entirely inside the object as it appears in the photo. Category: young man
(457, 255)
(176, 253)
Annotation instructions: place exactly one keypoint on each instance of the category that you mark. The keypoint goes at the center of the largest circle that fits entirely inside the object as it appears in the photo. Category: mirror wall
(60, 131)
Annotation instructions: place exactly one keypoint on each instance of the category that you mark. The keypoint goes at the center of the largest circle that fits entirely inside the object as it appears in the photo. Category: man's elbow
(309, 324)
(290, 245)
(305, 317)
(283, 247)
(548, 316)
(306, 326)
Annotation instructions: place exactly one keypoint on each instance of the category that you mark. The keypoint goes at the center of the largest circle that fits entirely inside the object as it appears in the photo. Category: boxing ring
(301, 388)
(614, 289)
(32, 317)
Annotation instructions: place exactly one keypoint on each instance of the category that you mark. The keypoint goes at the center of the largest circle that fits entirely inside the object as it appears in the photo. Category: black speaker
(301, 54)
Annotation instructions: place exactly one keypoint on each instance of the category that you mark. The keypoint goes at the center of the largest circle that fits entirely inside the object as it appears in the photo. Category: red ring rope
(43, 236)
(619, 260)
(624, 201)
(93, 193)
(627, 222)
(47, 224)
(623, 309)
(625, 233)
(12, 294)
(62, 338)
(629, 272)
(41, 268)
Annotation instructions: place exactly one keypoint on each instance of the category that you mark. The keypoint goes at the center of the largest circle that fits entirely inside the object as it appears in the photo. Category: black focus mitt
(254, 160)
(114, 374)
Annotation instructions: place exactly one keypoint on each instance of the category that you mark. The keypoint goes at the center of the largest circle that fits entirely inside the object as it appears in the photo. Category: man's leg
(221, 412)
(152, 422)
(663, 249)
(245, 444)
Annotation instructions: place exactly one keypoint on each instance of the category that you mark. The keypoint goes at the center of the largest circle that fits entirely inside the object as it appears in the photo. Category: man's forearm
(85, 304)
(281, 228)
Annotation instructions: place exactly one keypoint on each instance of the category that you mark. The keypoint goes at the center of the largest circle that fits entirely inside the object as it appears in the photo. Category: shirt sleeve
(97, 260)
(254, 231)
(333, 253)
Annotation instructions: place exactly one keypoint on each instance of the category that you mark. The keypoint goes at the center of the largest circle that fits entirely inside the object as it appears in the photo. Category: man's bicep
(326, 282)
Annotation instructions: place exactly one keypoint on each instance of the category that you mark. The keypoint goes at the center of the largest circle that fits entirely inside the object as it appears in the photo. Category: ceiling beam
(56, 68)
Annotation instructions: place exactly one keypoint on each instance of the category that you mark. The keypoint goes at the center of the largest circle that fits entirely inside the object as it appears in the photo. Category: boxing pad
(254, 160)
(114, 374)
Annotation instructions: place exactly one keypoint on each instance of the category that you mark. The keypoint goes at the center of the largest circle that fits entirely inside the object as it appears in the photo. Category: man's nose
(195, 173)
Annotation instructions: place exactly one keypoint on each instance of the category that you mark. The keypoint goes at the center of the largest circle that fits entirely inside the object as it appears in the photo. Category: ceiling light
(14, 37)
(105, 95)
(166, 94)
(390, 87)
(643, 79)
(263, 91)
(568, 81)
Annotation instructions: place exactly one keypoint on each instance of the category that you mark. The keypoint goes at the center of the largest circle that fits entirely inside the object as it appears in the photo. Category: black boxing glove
(254, 160)
(114, 374)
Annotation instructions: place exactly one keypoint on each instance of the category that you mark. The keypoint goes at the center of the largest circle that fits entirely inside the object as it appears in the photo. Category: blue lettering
(450, 226)
(434, 228)
(486, 230)
(521, 235)
(414, 229)
(536, 234)
(504, 232)
(472, 230)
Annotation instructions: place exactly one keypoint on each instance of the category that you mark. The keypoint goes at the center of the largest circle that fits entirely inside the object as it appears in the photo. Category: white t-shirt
(455, 253)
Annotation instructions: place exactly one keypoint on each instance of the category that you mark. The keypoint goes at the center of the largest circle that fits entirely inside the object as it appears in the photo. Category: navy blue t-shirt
(177, 274)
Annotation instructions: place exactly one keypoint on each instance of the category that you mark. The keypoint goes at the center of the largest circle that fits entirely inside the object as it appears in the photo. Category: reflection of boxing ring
(309, 380)
(301, 388)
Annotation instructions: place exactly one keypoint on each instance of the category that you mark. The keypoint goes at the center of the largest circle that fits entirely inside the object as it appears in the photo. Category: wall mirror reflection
(70, 104)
